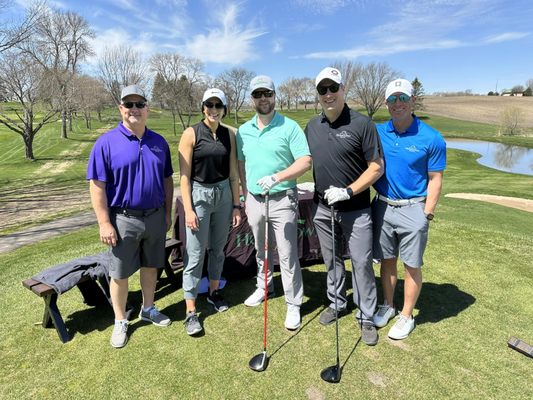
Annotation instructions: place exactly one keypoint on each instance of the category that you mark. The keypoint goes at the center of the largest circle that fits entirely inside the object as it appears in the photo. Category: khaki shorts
(141, 243)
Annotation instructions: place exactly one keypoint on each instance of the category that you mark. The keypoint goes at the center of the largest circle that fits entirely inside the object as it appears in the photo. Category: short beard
(260, 110)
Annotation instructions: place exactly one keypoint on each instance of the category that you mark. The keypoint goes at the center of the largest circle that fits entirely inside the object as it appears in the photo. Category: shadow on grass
(436, 301)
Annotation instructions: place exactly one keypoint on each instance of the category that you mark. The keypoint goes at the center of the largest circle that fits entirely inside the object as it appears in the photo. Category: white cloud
(277, 46)
(325, 6)
(507, 36)
(227, 43)
(427, 25)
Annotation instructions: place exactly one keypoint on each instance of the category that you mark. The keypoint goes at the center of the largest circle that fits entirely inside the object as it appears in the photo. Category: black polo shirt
(341, 151)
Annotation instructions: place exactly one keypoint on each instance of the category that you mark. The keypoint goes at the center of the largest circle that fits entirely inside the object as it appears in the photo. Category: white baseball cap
(329, 73)
(214, 92)
(262, 82)
(132, 89)
(399, 85)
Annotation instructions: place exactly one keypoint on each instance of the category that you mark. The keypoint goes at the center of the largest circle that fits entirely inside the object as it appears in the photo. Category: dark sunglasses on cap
(403, 98)
(259, 93)
(333, 88)
(218, 106)
(130, 104)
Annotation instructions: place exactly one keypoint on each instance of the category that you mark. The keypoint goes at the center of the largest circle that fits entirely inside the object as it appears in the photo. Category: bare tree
(511, 120)
(175, 85)
(122, 66)
(349, 71)
(235, 83)
(23, 79)
(529, 84)
(284, 94)
(370, 84)
(308, 91)
(12, 33)
(58, 44)
(90, 96)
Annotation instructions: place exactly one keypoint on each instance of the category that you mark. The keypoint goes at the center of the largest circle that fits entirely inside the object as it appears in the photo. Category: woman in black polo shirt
(210, 193)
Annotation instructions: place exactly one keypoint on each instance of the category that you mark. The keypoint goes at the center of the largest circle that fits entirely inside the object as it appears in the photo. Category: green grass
(478, 285)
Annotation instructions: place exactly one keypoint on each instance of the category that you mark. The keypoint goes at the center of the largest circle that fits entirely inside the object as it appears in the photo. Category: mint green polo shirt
(270, 150)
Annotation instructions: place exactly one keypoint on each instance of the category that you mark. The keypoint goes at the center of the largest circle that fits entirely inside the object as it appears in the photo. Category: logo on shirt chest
(343, 135)
(156, 149)
(412, 149)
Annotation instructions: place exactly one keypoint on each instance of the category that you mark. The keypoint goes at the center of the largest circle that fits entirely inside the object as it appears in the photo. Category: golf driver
(259, 362)
(333, 374)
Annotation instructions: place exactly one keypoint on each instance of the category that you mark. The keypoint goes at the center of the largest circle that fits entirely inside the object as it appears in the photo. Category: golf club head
(331, 374)
(259, 362)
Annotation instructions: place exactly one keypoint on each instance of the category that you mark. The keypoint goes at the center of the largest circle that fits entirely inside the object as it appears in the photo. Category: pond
(514, 159)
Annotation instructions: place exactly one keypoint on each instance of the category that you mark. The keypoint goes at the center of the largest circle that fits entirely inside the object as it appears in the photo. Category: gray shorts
(400, 229)
(141, 243)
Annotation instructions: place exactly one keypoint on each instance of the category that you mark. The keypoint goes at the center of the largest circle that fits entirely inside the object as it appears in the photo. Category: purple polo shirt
(133, 170)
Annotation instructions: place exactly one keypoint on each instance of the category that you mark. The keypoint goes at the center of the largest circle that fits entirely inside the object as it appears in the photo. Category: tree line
(41, 60)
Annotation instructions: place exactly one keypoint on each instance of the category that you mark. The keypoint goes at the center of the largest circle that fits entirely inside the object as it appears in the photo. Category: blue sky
(450, 45)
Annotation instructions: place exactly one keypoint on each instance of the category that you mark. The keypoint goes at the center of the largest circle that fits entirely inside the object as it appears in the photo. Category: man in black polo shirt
(347, 160)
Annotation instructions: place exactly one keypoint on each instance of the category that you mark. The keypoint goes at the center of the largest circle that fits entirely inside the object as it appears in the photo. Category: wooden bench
(93, 294)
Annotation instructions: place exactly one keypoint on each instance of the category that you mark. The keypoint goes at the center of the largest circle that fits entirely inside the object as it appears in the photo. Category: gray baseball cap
(262, 82)
(132, 89)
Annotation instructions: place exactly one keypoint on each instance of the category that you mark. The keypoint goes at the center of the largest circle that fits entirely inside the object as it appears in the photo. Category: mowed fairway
(478, 288)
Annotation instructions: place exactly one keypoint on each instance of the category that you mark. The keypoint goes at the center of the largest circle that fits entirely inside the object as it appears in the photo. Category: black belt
(277, 194)
(128, 212)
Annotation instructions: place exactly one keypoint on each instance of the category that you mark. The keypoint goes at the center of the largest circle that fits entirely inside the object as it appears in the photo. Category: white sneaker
(292, 321)
(119, 337)
(384, 315)
(402, 327)
(256, 298)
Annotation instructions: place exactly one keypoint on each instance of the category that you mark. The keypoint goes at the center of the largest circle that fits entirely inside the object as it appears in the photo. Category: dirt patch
(377, 379)
(513, 202)
(485, 109)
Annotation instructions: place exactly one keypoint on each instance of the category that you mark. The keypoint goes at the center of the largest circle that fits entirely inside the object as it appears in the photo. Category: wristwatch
(349, 191)
(237, 206)
(429, 217)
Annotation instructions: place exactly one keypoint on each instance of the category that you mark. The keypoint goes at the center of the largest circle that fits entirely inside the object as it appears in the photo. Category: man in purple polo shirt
(131, 186)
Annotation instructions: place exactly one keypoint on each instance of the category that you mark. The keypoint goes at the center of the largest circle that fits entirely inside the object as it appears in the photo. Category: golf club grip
(520, 346)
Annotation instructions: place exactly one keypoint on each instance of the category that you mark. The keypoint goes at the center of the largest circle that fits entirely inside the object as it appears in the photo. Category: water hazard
(503, 157)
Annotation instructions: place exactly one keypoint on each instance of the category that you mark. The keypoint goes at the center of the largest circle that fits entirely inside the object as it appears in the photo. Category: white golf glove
(268, 182)
(335, 194)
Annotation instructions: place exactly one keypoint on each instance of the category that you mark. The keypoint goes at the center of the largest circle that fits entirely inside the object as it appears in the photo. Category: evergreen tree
(418, 92)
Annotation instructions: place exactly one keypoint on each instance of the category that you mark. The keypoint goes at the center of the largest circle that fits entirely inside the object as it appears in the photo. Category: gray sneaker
(154, 316)
(119, 337)
(192, 324)
(369, 334)
(328, 315)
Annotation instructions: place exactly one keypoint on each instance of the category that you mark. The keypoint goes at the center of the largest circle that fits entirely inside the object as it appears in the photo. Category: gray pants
(283, 232)
(213, 206)
(356, 228)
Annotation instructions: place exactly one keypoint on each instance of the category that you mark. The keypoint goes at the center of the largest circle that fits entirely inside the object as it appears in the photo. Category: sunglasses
(130, 104)
(403, 98)
(259, 94)
(333, 88)
(218, 106)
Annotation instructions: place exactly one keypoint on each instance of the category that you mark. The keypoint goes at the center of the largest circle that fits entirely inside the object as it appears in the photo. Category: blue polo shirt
(270, 150)
(133, 169)
(409, 156)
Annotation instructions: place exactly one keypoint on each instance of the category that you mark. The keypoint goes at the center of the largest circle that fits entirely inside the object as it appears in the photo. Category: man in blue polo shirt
(347, 160)
(408, 192)
(272, 152)
(131, 186)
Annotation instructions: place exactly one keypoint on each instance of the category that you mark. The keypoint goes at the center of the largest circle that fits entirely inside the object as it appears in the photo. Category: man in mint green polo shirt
(272, 152)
